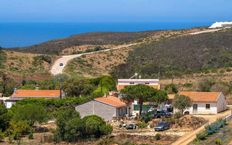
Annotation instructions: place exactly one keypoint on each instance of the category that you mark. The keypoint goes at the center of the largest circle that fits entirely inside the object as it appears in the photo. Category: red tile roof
(36, 94)
(202, 96)
(112, 101)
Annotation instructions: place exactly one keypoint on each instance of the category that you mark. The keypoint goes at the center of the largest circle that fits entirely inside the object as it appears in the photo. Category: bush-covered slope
(179, 55)
(2, 58)
(56, 46)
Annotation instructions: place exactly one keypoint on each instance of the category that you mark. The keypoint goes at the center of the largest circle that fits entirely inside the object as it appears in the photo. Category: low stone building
(106, 107)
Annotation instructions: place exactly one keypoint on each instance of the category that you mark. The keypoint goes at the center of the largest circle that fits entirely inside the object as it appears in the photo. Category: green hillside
(180, 55)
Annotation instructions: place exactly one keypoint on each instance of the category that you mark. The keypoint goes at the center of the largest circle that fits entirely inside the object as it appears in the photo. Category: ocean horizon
(26, 34)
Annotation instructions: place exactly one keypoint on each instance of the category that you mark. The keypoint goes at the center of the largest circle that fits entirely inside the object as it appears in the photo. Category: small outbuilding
(108, 107)
(205, 102)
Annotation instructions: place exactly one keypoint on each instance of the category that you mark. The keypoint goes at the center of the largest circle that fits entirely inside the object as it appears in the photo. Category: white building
(122, 83)
(205, 102)
(221, 25)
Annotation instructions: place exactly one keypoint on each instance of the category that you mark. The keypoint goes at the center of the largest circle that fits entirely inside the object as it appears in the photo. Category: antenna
(134, 76)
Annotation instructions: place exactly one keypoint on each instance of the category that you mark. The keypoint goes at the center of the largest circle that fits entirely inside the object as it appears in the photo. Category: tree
(138, 92)
(30, 113)
(63, 117)
(171, 88)
(4, 118)
(75, 87)
(160, 96)
(95, 126)
(182, 102)
(18, 128)
(205, 85)
(7, 84)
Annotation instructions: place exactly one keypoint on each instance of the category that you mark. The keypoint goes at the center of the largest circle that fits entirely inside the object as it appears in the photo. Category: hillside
(103, 38)
(20, 66)
(179, 55)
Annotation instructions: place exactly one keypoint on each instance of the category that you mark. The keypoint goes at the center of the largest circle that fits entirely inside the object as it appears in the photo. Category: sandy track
(60, 63)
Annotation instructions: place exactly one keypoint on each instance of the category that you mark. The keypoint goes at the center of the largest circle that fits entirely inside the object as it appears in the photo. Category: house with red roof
(24, 94)
(107, 107)
(205, 102)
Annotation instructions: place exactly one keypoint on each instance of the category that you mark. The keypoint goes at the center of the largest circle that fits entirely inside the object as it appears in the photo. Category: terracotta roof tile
(36, 93)
(202, 96)
(111, 100)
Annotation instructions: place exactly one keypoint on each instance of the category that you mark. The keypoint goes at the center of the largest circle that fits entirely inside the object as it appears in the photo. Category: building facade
(106, 107)
(122, 83)
(206, 102)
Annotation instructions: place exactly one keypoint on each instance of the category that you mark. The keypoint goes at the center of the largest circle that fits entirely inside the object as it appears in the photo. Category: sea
(26, 34)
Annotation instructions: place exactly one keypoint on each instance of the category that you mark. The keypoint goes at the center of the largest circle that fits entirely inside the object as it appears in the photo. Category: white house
(205, 102)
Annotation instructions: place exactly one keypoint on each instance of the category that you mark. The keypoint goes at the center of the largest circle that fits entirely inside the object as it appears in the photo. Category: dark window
(131, 82)
(207, 106)
(147, 83)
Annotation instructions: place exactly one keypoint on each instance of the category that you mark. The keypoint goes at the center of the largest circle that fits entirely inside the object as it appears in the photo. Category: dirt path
(60, 63)
(189, 137)
(205, 31)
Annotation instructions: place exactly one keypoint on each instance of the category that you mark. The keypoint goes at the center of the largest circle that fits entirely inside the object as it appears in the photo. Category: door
(195, 106)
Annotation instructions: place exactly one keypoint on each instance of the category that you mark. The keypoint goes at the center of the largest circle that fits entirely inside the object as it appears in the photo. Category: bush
(30, 136)
(218, 141)
(157, 136)
(142, 124)
(202, 136)
(178, 115)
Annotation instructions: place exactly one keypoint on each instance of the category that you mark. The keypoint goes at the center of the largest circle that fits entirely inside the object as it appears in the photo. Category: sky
(115, 10)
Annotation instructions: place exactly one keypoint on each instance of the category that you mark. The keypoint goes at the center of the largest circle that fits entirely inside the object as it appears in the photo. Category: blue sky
(115, 10)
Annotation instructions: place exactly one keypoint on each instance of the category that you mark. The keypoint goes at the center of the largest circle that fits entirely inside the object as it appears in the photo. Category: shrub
(178, 115)
(157, 136)
(202, 136)
(142, 124)
(30, 136)
(218, 141)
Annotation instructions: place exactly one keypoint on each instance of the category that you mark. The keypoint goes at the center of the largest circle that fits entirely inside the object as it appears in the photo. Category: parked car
(162, 126)
(131, 126)
(162, 113)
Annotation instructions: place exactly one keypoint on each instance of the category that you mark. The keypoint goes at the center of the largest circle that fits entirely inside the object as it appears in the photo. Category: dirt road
(205, 31)
(60, 63)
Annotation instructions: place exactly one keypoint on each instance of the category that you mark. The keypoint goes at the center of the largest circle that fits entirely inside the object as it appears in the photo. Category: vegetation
(2, 58)
(7, 84)
(143, 93)
(71, 127)
(211, 129)
(56, 46)
(30, 113)
(179, 55)
(171, 89)
(181, 102)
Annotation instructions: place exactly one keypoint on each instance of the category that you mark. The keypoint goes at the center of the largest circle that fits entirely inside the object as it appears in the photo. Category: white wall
(201, 109)
(221, 104)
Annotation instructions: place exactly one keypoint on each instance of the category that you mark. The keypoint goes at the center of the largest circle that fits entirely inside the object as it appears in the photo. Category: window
(132, 83)
(147, 83)
(207, 106)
